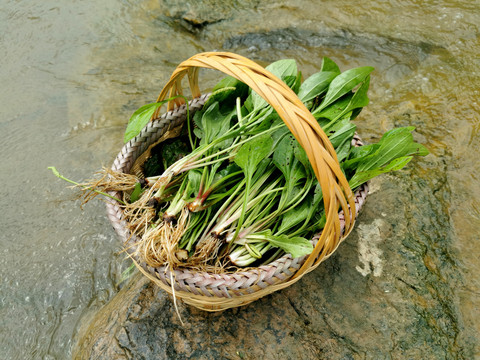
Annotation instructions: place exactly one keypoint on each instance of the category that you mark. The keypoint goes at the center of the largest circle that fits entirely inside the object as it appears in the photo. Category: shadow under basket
(215, 291)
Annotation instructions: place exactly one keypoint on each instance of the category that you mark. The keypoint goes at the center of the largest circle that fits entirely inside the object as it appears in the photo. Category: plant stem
(57, 174)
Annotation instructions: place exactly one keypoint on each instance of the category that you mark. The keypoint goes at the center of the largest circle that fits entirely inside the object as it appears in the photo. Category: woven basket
(216, 292)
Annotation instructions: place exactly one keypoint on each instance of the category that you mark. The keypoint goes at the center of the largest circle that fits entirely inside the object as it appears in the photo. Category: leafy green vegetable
(333, 111)
(241, 89)
(251, 153)
(248, 190)
(340, 131)
(296, 246)
(292, 169)
(315, 85)
(137, 191)
(248, 158)
(212, 123)
(165, 154)
(329, 65)
(220, 95)
(360, 98)
(344, 83)
(284, 70)
(361, 177)
(395, 143)
(394, 150)
(294, 216)
(139, 119)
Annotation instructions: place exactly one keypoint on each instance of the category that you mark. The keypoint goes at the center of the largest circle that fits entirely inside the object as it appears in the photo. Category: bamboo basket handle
(301, 123)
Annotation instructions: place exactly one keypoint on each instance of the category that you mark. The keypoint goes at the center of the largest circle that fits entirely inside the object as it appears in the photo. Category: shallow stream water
(72, 73)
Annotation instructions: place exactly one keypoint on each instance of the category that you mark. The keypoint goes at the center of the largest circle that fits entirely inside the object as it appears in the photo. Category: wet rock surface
(385, 294)
(194, 16)
(390, 290)
(404, 285)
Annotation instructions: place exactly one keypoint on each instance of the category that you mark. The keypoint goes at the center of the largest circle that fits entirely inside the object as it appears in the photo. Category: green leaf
(139, 119)
(228, 170)
(292, 169)
(290, 81)
(358, 100)
(169, 152)
(394, 150)
(341, 134)
(283, 157)
(294, 216)
(344, 83)
(285, 160)
(340, 131)
(333, 111)
(252, 153)
(248, 158)
(361, 177)
(358, 154)
(301, 156)
(248, 104)
(219, 95)
(137, 191)
(194, 181)
(294, 82)
(315, 85)
(317, 196)
(394, 143)
(212, 123)
(283, 69)
(343, 148)
(227, 82)
(329, 65)
(298, 82)
(296, 246)
(228, 97)
(266, 122)
(197, 120)
(280, 133)
(261, 168)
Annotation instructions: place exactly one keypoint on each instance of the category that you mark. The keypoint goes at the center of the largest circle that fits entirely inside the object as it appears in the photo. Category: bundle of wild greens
(243, 192)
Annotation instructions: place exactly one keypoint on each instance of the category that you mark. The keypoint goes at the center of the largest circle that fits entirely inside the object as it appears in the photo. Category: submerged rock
(388, 292)
(195, 15)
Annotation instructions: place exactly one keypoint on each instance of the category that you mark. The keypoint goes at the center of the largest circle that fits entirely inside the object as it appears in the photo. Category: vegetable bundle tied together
(236, 188)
